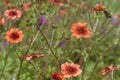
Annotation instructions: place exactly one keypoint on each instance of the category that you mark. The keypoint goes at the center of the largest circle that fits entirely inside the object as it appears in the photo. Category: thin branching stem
(21, 61)
(37, 71)
(47, 42)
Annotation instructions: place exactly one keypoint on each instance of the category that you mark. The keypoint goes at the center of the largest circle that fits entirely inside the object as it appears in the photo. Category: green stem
(93, 70)
(21, 61)
(52, 38)
(37, 71)
(84, 65)
(96, 24)
(47, 42)
(107, 32)
(89, 19)
(6, 59)
(34, 38)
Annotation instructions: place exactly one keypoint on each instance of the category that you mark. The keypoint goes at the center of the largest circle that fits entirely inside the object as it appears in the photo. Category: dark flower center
(56, 78)
(57, 1)
(71, 69)
(34, 57)
(106, 69)
(14, 36)
(7, 2)
(81, 31)
(12, 13)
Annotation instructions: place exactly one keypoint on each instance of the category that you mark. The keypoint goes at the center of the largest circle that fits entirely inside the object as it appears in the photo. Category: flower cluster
(58, 39)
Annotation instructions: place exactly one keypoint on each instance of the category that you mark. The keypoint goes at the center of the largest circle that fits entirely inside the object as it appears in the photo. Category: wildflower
(13, 13)
(114, 20)
(14, 35)
(70, 69)
(7, 3)
(2, 21)
(63, 43)
(107, 70)
(41, 20)
(80, 30)
(56, 2)
(99, 8)
(57, 76)
(4, 45)
(33, 56)
(27, 6)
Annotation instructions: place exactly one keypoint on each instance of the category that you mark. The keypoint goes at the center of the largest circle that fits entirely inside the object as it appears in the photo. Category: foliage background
(104, 50)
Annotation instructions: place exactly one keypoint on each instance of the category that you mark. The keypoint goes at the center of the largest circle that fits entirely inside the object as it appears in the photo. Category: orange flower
(57, 76)
(70, 69)
(107, 70)
(14, 35)
(99, 8)
(33, 56)
(80, 30)
(56, 2)
(13, 13)
(7, 3)
(2, 21)
(27, 6)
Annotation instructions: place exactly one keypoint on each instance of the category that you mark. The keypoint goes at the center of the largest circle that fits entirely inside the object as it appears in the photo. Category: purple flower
(114, 20)
(4, 45)
(57, 16)
(63, 43)
(41, 20)
(13, 22)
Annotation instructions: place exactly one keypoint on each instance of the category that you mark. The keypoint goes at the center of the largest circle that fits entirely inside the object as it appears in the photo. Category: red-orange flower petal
(2, 21)
(70, 69)
(99, 8)
(57, 76)
(14, 35)
(80, 30)
(107, 70)
(33, 56)
(56, 2)
(13, 13)
(7, 3)
(27, 57)
(27, 6)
